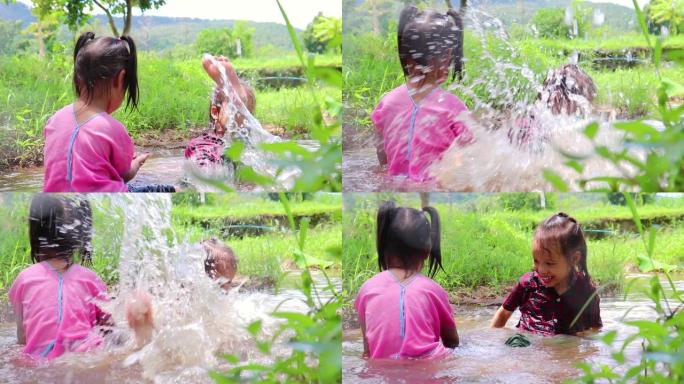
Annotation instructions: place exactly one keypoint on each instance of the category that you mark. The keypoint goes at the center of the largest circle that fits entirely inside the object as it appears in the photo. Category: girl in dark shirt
(552, 298)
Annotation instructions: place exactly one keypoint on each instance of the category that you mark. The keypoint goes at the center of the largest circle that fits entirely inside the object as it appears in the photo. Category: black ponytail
(384, 219)
(457, 65)
(131, 79)
(59, 227)
(407, 15)
(84, 39)
(435, 258)
(406, 236)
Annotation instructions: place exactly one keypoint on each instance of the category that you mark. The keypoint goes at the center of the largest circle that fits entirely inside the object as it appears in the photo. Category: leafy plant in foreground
(661, 339)
(315, 337)
(662, 168)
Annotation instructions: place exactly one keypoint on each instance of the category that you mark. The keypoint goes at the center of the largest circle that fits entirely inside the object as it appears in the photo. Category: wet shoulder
(34, 270)
(446, 101)
(378, 281)
(106, 120)
(84, 273)
(584, 285)
(425, 283)
(397, 95)
(63, 117)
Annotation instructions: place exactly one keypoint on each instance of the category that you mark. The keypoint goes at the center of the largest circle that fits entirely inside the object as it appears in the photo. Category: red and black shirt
(205, 150)
(543, 310)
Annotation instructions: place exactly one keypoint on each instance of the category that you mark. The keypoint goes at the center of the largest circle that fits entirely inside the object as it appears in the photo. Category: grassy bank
(492, 248)
(174, 95)
(249, 207)
(371, 68)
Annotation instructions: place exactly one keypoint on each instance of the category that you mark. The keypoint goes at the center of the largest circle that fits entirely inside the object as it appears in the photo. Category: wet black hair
(560, 85)
(98, 60)
(562, 234)
(405, 233)
(60, 227)
(425, 35)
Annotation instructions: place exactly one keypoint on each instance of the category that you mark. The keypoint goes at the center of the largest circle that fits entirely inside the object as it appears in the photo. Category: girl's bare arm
(380, 149)
(450, 337)
(21, 332)
(366, 349)
(500, 318)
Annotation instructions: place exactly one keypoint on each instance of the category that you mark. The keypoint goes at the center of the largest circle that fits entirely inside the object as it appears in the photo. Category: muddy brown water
(361, 172)
(482, 356)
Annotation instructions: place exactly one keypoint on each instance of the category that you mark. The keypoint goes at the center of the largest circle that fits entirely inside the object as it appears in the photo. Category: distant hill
(18, 11)
(158, 32)
(619, 18)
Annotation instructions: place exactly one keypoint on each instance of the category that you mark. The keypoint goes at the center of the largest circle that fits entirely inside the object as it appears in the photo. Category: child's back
(59, 311)
(418, 121)
(91, 156)
(404, 319)
(416, 134)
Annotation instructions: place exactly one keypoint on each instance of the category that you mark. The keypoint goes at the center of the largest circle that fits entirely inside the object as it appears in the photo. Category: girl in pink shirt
(403, 313)
(418, 121)
(55, 301)
(86, 149)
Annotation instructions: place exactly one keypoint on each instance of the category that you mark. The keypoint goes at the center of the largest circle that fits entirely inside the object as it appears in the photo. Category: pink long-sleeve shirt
(416, 134)
(59, 311)
(404, 319)
(89, 157)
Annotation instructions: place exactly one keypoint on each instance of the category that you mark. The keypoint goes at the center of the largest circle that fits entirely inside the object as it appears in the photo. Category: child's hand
(136, 163)
(139, 316)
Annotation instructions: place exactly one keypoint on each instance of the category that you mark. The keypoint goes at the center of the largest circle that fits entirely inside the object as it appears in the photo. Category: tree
(667, 12)
(243, 33)
(549, 22)
(226, 41)
(76, 15)
(9, 36)
(377, 9)
(44, 32)
(323, 34)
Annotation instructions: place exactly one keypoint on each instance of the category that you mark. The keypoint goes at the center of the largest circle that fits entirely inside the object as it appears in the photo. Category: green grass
(267, 255)
(173, 95)
(288, 61)
(493, 247)
(291, 107)
(246, 207)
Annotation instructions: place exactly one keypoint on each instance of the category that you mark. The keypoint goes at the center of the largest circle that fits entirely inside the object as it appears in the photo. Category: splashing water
(194, 318)
(513, 148)
(248, 131)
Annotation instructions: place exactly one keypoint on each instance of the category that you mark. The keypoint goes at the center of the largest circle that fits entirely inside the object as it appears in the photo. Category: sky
(300, 12)
(626, 3)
